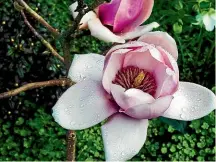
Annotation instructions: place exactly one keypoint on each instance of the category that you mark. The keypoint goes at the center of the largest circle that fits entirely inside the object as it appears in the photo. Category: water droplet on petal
(72, 123)
(121, 110)
(182, 116)
(198, 99)
(184, 109)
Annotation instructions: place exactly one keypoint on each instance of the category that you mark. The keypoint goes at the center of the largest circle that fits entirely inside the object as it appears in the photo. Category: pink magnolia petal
(167, 77)
(86, 67)
(118, 95)
(169, 60)
(123, 137)
(146, 58)
(139, 31)
(129, 45)
(151, 110)
(131, 14)
(191, 101)
(166, 80)
(112, 66)
(129, 98)
(82, 106)
(98, 30)
(136, 96)
(162, 39)
(107, 12)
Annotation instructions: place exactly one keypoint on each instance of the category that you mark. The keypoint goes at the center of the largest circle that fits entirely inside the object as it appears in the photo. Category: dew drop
(182, 116)
(184, 109)
(72, 123)
(121, 110)
(81, 99)
(198, 99)
(88, 67)
(82, 77)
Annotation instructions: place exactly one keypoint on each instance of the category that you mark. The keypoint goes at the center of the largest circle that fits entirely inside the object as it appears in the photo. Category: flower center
(133, 77)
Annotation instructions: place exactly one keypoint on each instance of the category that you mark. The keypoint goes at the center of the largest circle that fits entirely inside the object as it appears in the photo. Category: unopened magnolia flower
(134, 82)
(118, 20)
(209, 20)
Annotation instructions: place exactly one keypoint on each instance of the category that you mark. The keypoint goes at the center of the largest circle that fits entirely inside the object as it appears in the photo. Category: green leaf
(176, 124)
(177, 28)
(20, 121)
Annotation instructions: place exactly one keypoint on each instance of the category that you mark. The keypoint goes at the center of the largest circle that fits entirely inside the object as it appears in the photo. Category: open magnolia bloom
(134, 82)
(118, 20)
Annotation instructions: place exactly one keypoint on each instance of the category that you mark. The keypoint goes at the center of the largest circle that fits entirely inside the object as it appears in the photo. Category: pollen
(138, 80)
(133, 77)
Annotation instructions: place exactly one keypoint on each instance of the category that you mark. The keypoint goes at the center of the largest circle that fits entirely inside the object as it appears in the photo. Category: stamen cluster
(133, 77)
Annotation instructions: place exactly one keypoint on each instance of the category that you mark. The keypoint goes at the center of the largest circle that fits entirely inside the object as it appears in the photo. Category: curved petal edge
(123, 137)
(191, 101)
(83, 105)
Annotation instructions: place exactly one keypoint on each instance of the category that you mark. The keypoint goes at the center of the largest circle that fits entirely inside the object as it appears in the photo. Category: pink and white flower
(134, 82)
(118, 20)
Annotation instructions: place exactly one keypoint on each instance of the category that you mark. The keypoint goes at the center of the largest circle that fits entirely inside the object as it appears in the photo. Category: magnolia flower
(209, 20)
(134, 82)
(118, 20)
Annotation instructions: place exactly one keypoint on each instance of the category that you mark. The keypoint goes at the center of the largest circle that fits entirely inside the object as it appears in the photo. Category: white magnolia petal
(84, 21)
(208, 22)
(191, 101)
(139, 31)
(123, 137)
(86, 66)
(99, 31)
(82, 106)
(72, 8)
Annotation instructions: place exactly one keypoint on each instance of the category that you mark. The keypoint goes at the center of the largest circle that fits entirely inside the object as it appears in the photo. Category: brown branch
(38, 17)
(68, 36)
(29, 86)
(47, 44)
(71, 145)
(67, 56)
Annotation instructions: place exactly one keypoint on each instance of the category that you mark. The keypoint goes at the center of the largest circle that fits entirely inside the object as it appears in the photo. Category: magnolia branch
(56, 82)
(71, 145)
(38, 17)
(47, 44)
(68, 36)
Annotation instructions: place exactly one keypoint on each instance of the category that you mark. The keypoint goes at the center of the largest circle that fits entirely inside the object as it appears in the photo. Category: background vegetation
(27, 129)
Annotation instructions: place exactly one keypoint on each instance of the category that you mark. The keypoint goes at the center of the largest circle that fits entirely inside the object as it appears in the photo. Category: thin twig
(71, 145)
(39, 18)
(47, 44)
(29, 86)
(67, 56)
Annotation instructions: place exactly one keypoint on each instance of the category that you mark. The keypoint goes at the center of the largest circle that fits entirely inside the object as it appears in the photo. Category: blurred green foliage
(28, 131)
(40, 138)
